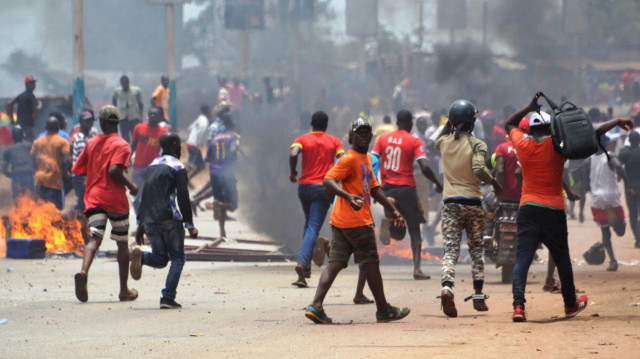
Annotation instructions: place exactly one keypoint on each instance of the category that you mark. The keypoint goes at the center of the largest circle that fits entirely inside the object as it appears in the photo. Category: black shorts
(407, 203)
(224, 190)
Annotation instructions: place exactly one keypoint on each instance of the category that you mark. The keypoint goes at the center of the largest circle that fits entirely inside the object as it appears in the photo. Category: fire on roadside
(42, 220)
(403, 250)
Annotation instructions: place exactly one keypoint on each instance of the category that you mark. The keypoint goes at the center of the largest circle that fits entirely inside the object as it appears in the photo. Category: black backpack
(572, 132)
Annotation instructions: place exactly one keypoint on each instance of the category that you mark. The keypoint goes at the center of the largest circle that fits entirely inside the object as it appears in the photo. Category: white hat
(536, 119)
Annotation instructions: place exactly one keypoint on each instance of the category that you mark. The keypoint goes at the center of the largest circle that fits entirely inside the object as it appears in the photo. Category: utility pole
(171, 65)
(78, 61)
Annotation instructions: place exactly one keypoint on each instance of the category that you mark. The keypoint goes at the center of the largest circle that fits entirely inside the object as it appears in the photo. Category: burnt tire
(507, 273)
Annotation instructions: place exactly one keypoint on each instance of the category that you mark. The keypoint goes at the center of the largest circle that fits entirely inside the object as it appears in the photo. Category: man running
(463, 158)
(165, 208)
(541, 217)
(103, 161)
(222, 156)
(318, 150)
(398, 150)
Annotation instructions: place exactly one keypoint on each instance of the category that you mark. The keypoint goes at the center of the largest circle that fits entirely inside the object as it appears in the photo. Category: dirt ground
(250, 310)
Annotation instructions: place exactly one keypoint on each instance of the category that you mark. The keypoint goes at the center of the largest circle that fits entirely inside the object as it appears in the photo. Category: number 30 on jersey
(392, 158)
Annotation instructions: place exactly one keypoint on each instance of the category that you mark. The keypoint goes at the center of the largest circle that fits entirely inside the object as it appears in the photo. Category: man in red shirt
(103, 161)
(398, 150)
(318, 150)
(145, 143)
(506, 166)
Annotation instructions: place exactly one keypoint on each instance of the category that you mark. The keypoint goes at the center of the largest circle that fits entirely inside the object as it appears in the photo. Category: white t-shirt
(198, 131)
(604, 184)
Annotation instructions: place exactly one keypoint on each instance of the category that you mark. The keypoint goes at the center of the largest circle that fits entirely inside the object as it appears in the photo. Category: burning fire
(42, 220)
(403, 250)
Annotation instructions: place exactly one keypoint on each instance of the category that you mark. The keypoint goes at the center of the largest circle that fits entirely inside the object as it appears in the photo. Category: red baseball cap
(29, 78)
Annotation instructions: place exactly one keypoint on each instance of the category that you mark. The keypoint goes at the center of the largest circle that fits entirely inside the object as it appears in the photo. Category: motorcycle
(501, 244)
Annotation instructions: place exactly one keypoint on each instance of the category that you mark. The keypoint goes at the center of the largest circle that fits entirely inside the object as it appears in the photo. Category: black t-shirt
(26, 103)
(19, 157)
(630, 156)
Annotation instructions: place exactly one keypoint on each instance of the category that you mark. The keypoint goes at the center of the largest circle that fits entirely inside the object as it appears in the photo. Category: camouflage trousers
(456, 218)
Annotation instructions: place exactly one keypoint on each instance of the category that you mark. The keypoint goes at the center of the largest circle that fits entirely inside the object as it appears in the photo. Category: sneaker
(580, 305)
(385, 235)
(519, 314)
(448, 306)
(166, 303)
(136, 262)
(317, 315)
(613, 266)
(392, 313)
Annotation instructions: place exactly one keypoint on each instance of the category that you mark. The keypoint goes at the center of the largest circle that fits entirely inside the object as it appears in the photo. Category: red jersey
(510, 188)
(148, 146)
(318, 152)
(398, 150)
(102, 191)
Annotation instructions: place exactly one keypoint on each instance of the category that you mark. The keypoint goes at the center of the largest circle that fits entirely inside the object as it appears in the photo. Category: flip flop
(132, 295)
(364, 300)
(300, 283)
(81, 286)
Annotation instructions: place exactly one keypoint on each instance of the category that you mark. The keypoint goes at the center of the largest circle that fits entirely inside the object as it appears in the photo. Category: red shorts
(600, 215)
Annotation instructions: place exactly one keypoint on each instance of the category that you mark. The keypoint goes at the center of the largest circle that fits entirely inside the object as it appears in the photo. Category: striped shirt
(78, 143)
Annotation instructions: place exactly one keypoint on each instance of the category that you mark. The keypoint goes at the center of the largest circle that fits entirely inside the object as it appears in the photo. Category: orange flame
(42, 220)
(403, 250)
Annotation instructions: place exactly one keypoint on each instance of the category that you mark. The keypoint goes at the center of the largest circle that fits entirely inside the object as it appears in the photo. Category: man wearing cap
(78, 143)
(352, 225)
(27, 108)
(541, 217)
(128, 100)
(103, 161)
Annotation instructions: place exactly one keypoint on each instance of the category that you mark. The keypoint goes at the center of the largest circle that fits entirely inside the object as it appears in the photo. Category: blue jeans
(549, 226)
(167, 243)
(50, 195)
(315, 206)
(79, 185)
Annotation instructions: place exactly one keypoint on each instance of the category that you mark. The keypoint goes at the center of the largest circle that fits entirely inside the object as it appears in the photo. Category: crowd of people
(432, 167)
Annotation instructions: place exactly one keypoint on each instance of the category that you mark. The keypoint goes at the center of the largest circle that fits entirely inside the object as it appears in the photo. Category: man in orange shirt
(352, 225)
(160, 96)
(318, 150)
(541, 217)
(51, 155)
